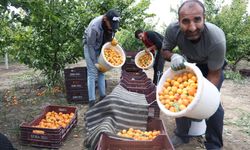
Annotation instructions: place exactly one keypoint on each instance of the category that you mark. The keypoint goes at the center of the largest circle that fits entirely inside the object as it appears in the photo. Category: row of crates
(135, 80)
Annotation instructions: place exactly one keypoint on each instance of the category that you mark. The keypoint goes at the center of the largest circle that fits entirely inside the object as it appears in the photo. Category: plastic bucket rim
(200, 81)
(119, 48)
(137, 57)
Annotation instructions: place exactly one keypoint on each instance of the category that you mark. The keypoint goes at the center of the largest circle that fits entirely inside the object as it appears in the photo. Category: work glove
(177, 62)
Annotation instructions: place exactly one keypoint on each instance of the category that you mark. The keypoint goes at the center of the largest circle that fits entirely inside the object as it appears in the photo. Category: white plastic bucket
(197, 128)
(138, 55)
(102, 61)
(205, 102)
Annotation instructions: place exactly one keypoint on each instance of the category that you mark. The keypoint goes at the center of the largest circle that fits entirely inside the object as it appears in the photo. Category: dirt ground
(20, 102)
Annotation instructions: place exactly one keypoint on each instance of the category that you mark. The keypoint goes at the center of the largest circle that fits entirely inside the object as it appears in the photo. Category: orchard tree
(51, 33)
(235, 22)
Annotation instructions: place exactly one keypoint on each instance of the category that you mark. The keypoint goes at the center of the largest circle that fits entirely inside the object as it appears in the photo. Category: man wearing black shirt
(153, 42)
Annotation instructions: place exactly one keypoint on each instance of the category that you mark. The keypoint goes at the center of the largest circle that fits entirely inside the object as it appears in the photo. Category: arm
(214, 76)
(151, 48)
(156, 39)
(168, 44)
(91, 42)
(167, 54)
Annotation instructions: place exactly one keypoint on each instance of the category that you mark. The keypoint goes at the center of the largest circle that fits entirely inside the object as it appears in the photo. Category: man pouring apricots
(202, 43)
(99, 31)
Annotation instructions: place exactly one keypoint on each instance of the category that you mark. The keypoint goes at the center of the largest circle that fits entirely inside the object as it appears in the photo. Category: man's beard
(196, 36)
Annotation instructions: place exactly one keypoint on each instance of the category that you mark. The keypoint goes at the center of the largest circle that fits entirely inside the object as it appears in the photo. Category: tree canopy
(50, 34)
(47, 34)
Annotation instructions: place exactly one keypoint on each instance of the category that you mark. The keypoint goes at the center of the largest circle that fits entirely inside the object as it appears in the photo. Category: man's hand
(114, 42)
(147, 50)
(177, 62)
(100, 68)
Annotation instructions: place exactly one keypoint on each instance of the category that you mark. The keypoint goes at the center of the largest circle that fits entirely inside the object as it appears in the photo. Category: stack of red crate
(129, 65)
(140, 83)
(135, 80)
(76, 84)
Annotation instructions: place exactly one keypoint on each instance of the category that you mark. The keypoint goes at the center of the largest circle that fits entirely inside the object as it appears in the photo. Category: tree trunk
(6, 61)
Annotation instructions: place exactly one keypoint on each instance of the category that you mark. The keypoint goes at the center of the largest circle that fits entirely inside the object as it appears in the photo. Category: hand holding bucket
(205, 101)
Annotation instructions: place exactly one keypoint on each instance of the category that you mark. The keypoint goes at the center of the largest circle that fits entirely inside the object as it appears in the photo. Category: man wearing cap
(99, 31)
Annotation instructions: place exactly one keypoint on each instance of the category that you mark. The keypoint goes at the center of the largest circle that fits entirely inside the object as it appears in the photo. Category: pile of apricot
(137, 134)
(113, 56)
(145, 60)
(54, 120)
(178, 92)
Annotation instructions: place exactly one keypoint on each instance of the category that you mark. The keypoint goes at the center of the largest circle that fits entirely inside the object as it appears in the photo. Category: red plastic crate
(52, 138)
(132, 80)
(76, 84)
(76, 73)
(131, 54)
(135, 78)
(130, 83)
(161, 142)
(133, 73)
(143, 90)
(131, 67)
(78, 96)
(153, 110)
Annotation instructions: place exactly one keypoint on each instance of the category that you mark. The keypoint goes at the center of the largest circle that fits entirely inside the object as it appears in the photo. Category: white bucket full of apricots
(144, 60)
(112, 56)
(187, 93)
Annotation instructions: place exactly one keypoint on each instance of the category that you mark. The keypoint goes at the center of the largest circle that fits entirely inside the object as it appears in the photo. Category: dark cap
(114, 18)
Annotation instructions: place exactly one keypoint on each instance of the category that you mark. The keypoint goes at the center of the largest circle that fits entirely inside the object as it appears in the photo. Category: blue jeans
(158, 67)
(214, 129)
(93, 74)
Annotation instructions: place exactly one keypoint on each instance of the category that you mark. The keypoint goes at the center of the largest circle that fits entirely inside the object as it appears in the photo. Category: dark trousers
(214, 129)
(158, 67)
(5, 144)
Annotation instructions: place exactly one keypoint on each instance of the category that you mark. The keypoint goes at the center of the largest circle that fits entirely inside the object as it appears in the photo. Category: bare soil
(20, 102)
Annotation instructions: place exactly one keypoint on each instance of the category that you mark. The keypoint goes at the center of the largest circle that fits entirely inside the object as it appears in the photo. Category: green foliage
(6, 31)
(243, 122)
(211, 10)
(236, 76)
(50, 35)
(128, 40)
(235, 22)
(132, 17)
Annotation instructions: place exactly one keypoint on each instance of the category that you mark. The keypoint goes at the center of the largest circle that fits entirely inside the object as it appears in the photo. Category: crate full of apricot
(154, 136)
(50, 128)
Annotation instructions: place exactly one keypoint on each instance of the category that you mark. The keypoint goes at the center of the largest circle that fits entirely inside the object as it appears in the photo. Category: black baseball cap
(114, 18)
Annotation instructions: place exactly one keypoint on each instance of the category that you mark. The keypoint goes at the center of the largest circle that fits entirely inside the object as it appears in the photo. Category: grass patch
(243, 122)
(235, 76)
